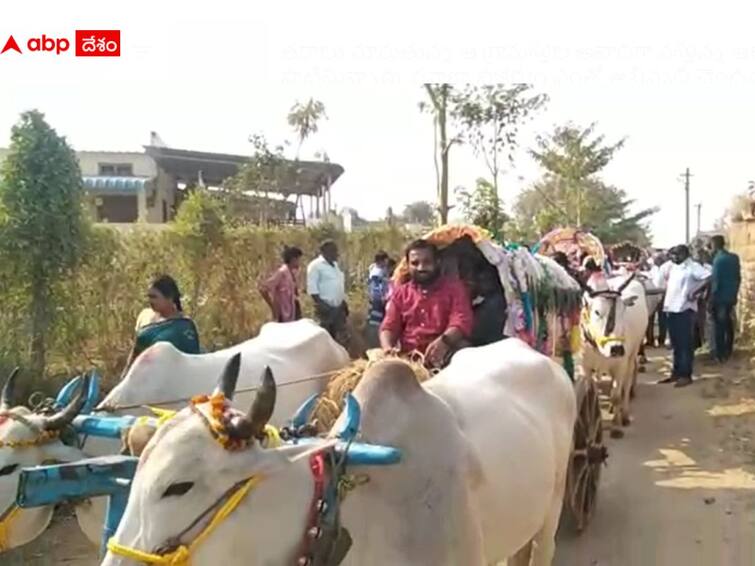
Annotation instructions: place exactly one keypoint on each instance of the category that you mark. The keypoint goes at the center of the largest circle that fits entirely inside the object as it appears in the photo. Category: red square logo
(98, 43)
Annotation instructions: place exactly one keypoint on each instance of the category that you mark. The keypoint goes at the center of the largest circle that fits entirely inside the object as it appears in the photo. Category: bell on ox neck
(322, 506)
(314, 532)
(304, 561)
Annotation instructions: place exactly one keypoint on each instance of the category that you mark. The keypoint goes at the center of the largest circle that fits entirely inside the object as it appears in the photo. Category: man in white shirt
(326, 286)
(684, 279)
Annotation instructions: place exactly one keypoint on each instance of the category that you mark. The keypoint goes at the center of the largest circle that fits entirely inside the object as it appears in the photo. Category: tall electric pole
(686, 176)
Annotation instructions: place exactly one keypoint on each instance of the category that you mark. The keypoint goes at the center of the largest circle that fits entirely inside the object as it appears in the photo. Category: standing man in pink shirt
(281, 291)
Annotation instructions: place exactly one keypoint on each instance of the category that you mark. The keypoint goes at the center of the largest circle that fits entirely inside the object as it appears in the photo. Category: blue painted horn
(304, 412)
(352, 416)
(66, 393)
(362, 454)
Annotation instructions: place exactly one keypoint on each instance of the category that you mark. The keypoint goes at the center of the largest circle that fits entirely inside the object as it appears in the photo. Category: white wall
(143, 165)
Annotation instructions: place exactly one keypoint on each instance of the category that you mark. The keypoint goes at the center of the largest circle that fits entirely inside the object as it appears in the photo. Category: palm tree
(304, 119)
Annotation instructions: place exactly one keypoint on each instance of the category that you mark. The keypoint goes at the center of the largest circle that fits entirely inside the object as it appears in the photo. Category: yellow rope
(5, 527)
(163, 416)
(182, 555)
(599, 340)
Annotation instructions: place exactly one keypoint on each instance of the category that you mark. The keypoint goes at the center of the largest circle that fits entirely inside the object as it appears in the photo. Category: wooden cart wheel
(587, 457)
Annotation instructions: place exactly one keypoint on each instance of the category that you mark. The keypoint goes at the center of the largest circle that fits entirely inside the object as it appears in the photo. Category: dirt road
(679, 489)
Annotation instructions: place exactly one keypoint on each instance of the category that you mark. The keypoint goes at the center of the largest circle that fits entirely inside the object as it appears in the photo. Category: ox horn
(253, 424)
(627, 282)
(65, 416)
(230, 376)
(6, 399)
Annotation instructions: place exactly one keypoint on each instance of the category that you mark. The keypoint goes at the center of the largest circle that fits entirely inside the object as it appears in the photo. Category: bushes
(97, 303)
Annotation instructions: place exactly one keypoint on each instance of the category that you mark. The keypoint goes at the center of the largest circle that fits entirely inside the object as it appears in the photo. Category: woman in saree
(164, 321)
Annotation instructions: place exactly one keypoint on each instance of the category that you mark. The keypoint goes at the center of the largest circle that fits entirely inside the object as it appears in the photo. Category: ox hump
(392, 376)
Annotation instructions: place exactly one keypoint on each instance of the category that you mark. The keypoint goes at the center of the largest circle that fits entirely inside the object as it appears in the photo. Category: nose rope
(591, 336)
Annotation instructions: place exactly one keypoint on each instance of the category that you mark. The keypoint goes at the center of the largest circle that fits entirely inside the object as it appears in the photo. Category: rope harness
(323, 517)
(593, 337)
(153, 405)
(12, 512)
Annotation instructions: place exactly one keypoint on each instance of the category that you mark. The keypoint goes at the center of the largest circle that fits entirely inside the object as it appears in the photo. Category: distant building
(129, 187)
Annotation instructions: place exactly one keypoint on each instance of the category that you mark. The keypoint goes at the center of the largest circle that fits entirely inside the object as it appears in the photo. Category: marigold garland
(218, 406)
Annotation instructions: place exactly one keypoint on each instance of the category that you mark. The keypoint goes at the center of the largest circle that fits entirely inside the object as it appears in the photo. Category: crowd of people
(436, 314)
(696, 292)
(432, 313)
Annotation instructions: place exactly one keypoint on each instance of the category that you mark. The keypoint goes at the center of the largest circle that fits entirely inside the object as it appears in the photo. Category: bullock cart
(542, 307)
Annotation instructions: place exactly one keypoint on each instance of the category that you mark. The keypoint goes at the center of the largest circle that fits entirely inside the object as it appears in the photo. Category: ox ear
(630, 301)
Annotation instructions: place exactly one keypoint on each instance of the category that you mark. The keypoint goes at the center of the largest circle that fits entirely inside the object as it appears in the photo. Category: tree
(486, 116)
(482, 207)
(304, 118)
(441, 97)
(265, 172)
(420, 212)
(200, 225)
(571, 192)
(42, 224)
(491, 116)
(570, 155)
(548, 204)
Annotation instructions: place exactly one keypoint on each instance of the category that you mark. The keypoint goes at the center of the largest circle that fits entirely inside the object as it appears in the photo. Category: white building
(127, 187)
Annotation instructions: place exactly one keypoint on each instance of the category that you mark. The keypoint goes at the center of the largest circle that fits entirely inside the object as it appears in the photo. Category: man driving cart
(430, 313)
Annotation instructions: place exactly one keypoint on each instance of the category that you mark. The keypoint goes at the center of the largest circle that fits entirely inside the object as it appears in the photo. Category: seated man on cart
(431, 313)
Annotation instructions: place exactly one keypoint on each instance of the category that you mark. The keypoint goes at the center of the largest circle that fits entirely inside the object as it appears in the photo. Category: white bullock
(485, 448)
(296, 351)
(614, 323)
(302, 355)
(28, 439)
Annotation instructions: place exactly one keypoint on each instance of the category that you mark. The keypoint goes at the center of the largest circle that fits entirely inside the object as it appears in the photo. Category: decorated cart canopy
(629, 255)
(542, 300)
(576, 244)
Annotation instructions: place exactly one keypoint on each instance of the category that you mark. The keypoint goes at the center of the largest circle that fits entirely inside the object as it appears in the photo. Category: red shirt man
(430, 314)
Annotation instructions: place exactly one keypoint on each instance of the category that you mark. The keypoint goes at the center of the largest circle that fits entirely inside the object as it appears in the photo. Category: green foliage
(42, 225)
(491, 116)
(571, 192)
(41, 200)
(100, 299)
(419, 212)
(570, 153)
(305, 118)
(246, 194)
(200, 230)
(482, 207)
(487, 117)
